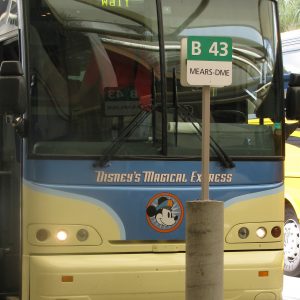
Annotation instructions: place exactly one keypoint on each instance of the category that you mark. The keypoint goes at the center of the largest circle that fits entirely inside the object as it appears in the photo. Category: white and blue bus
(100, 148)
(291, 64)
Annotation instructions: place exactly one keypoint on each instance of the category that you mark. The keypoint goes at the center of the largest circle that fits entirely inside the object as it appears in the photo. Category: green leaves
(289, 14)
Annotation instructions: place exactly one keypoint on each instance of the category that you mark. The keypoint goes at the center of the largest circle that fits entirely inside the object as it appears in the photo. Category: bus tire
(291, 243)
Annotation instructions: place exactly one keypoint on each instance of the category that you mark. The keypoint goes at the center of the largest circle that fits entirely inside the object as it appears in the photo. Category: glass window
(8, 16)
(239, 125)
(96, 79)
(3, 11)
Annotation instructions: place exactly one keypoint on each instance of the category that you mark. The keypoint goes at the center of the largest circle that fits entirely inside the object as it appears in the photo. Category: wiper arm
(118, 141)
(224, 159)
(131, 127)
(186, 116)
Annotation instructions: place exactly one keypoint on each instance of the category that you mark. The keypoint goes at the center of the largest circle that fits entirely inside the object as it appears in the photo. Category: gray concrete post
(204, 250)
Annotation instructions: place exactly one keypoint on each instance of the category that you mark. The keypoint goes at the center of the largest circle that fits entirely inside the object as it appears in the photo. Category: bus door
(9, 211)
(10, 171)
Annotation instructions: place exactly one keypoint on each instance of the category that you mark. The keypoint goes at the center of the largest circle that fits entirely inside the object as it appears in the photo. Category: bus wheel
(291, 243)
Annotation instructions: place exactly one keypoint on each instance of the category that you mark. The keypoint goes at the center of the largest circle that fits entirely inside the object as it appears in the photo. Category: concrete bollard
(204, 250)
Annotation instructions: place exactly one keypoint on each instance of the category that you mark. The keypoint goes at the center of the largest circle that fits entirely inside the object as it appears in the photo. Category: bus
(291, 53)
(101, 148)
(292, 206)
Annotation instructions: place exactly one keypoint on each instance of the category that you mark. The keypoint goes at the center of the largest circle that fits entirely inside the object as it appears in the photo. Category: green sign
(206, 61)
(114, 3)
(209, 48)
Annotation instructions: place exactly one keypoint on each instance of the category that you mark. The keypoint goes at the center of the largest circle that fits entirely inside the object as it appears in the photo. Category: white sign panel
(206, 61)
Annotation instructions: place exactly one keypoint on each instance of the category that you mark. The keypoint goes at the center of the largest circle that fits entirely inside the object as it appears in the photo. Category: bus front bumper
(148, 276)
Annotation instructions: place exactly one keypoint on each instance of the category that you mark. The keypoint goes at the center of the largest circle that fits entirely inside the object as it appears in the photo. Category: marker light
(82, 235)
(276, 231)
(263, 273)
(61, 235)
(67, 278)
(243, 232)
(42, 235)
(261, 232)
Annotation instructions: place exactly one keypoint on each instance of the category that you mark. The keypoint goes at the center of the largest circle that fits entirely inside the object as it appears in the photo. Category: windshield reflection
(97, 67)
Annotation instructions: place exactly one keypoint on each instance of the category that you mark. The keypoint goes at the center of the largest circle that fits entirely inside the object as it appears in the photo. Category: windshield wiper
(224, 159)
(118, 141)
(131, 127)
(163, 79)
(187, 116)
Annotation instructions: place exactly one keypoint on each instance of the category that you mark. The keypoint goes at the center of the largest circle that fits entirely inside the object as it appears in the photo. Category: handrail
(3, 172)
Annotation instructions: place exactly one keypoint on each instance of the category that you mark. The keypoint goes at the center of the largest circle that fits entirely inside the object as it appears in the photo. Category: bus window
(3, 11)
(95, 84)
(100, 82)
(10, 248)
(8, 16)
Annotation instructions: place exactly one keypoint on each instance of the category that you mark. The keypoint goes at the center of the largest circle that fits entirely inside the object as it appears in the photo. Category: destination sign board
(206, 61)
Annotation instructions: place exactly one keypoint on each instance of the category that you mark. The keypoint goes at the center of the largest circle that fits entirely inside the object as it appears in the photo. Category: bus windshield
(95, 68)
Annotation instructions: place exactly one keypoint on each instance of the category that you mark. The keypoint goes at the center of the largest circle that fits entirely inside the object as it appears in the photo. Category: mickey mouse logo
(164, 212)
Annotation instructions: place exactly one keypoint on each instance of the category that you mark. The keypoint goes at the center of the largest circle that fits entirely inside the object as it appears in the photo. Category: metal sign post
(205, 61)
(205, 141)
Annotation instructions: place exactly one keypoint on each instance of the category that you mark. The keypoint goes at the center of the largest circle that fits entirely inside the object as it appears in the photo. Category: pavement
(291, 288)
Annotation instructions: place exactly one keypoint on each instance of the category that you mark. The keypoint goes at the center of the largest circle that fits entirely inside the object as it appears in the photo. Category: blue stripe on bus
(80, 172)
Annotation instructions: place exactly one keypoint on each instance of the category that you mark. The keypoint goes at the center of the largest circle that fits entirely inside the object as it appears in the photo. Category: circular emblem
(164, 212)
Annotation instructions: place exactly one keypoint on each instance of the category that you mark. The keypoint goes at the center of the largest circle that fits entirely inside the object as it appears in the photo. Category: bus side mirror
(12, 88)
(293, 98)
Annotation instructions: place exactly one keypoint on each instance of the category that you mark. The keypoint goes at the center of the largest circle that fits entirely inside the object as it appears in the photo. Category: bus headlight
(261, 232)
(252, 232)
(61, 235)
